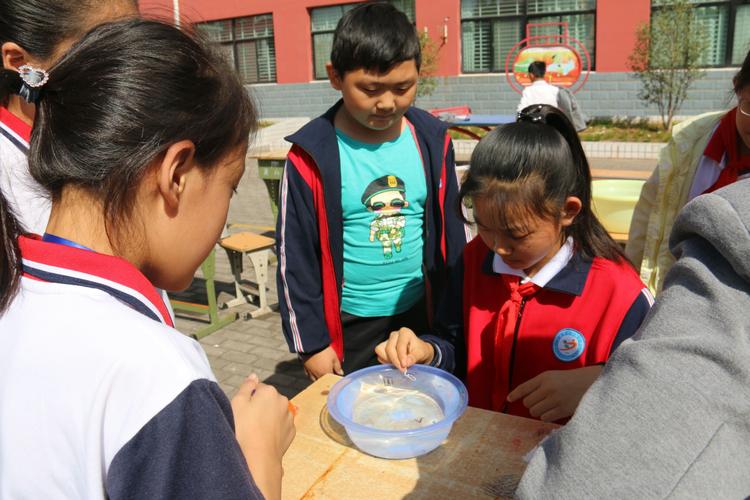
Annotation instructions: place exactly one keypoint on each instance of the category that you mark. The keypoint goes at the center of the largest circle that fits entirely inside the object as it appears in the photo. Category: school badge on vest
(568, 345)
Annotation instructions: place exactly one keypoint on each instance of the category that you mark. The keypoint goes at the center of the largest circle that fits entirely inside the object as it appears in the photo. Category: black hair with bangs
(375, 36)
(529, 168)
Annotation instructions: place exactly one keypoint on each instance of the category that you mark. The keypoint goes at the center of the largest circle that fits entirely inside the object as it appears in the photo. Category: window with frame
(727, 23)
(323, 21)
(247, 42)
(490, 28)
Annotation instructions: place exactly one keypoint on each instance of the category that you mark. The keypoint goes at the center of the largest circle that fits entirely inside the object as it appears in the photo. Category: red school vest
(570, 323)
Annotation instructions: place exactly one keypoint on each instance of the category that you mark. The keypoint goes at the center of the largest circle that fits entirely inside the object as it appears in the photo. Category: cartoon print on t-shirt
(386, 197)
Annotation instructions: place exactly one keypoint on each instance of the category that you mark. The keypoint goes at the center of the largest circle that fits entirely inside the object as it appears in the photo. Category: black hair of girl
(374, 36)
(39, 26)
(117, 100)
(742, 78)
(529, 168)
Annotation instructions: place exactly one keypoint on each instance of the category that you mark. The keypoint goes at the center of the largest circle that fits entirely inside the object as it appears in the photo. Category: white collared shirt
(546, 273)
(539, 92)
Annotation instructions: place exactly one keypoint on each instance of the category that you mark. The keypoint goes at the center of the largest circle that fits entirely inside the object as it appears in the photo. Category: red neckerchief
(506, 325)
(724, 142)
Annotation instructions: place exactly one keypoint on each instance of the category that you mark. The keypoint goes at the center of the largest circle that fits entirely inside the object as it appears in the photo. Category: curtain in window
(491, 8)
(248, 45)
(325, 18)
(248, 28)
(322, 43)
(545, 6)
(247, 61)
(217, 31)
(505, 34)
(741, 44)
(713, 21)
(476, 46)
(580, 26)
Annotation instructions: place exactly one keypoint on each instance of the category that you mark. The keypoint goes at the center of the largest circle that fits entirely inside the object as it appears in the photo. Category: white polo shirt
(539, 92)
(100, 397)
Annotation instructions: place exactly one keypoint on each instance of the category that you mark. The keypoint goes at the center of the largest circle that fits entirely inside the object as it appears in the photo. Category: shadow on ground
(196, 292)
(281, 378)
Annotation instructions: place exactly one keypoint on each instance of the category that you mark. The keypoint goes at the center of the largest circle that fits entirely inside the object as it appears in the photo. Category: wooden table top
(277, 155)
(482, 457)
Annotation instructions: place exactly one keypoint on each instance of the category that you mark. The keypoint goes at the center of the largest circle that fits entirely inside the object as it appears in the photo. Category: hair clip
(32, 81)
(531, 114)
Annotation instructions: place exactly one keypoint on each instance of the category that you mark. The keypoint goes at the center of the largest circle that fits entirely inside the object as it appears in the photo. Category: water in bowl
(394, 408)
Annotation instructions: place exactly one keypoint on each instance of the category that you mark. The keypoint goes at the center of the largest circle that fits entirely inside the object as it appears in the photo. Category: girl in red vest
(544, 295)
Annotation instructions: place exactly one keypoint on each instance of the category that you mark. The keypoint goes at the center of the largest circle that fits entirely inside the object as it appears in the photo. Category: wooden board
(482, 457)
(247, 242)
(278, 155)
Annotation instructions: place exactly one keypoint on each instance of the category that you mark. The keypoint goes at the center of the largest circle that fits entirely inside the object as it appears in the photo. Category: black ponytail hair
(10, 84)
(115, 102)
(529, 168)
(742, 78)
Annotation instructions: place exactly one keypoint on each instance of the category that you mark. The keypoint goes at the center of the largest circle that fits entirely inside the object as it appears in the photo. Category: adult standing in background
(539, 92)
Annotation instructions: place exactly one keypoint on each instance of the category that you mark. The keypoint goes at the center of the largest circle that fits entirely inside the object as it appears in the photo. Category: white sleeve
(706, 175)
(524, 100)
(639, 222)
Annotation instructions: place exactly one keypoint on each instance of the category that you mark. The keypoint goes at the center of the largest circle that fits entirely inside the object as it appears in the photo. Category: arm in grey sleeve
(670, 414)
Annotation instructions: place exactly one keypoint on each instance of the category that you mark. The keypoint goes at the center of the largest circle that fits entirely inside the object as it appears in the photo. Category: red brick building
(287, 42)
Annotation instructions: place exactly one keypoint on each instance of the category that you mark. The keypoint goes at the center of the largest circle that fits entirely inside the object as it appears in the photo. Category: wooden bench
(257, 247)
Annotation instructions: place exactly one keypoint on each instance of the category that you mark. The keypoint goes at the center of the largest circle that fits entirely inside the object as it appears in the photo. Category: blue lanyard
(51, 238)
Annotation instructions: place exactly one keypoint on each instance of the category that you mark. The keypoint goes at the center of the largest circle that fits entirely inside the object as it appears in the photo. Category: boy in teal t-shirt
(366, 233)
(383, 195)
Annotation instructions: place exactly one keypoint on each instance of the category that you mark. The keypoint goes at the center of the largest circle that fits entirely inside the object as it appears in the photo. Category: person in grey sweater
(670, 415)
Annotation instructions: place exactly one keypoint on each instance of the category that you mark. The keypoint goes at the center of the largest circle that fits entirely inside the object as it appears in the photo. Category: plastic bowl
(613, 202)
(445, 389)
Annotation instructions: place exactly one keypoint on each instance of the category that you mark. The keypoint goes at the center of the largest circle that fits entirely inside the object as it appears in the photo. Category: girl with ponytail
(35, 34)
(545, 295)
(139, 137)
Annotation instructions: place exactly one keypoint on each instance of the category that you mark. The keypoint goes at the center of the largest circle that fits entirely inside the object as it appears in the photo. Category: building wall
(605, 94)
(610, 91)
(616, 21)
(616, 24)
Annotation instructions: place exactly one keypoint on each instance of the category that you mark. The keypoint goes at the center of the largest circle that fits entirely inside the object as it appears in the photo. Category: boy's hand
(555, 394)
(403, 349)
(318, 364)
(265, 428)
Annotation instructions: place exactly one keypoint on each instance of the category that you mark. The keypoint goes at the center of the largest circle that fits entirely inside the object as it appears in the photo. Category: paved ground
(257, 345)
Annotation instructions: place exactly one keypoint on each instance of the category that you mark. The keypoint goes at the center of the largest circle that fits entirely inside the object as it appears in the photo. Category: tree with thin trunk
(667, 56)
(430, 58)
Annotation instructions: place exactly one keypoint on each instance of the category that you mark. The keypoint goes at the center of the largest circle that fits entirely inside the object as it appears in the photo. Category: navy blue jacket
(310, 227)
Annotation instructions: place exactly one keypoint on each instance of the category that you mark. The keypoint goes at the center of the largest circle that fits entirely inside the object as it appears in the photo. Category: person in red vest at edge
(366, 233)
(545, 294)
